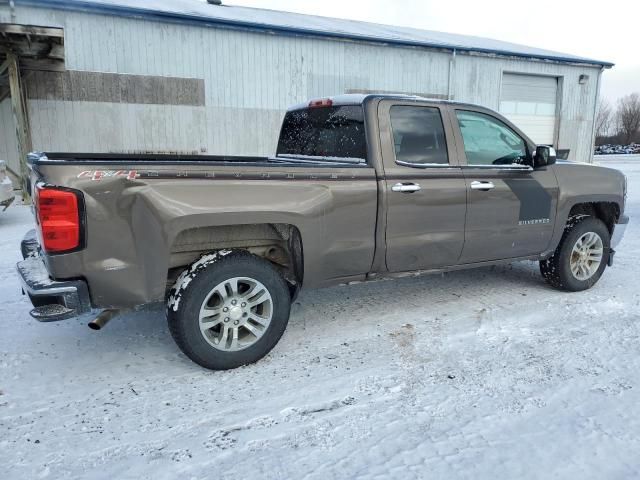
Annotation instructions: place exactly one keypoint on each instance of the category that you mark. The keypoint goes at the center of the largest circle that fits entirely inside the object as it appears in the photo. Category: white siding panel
(108, 127)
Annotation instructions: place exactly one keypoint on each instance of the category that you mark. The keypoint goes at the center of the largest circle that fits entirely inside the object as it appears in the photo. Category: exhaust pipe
(101, 320)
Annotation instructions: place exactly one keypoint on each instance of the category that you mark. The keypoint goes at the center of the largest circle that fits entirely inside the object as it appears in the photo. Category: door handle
(482, 186)
(405, 187)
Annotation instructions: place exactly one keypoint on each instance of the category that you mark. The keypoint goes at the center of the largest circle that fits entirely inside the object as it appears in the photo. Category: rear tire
(581, 257)
(228, 309)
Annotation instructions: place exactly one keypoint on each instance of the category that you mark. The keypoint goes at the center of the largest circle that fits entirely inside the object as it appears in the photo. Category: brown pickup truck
(361, 187)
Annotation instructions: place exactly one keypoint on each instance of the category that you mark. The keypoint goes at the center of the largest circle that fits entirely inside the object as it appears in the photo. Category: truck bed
(144, 215)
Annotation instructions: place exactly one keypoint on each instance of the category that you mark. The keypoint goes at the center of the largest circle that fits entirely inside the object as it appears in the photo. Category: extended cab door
(511, 207)
(425, 192)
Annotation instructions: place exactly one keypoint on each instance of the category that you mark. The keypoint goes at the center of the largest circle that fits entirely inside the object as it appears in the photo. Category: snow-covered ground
(619, 159)
(477, 374)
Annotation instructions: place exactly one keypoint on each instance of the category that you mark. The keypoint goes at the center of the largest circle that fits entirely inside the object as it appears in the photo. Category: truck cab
(461, 186)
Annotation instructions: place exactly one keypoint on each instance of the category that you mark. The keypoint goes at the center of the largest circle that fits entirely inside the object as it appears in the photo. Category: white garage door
(529, 101)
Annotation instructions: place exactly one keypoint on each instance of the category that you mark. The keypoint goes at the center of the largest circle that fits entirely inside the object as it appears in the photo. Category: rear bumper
(619, 231)
(53, 300)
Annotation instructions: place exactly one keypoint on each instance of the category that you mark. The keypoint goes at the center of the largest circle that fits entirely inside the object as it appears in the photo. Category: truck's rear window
(336, 132)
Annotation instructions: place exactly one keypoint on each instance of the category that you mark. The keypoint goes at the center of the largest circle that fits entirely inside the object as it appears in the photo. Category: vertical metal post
(21, 120)
(595, 114)
(452, 74)
(12, 7)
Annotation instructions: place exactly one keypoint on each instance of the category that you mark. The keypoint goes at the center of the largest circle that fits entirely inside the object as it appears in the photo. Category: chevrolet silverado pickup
(361, 187)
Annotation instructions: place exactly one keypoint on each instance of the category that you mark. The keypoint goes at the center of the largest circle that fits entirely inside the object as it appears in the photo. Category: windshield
(324, 133)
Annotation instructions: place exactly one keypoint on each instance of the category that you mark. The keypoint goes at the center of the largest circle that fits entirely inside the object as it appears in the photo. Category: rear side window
(324, 132)
(418, 135)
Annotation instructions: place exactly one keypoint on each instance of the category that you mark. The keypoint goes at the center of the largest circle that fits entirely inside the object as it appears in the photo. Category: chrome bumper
(619, 230)
(53, 300)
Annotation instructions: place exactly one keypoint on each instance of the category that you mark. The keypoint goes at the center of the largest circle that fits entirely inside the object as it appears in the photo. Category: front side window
(488, 141)
(418, 135)
(324, 132)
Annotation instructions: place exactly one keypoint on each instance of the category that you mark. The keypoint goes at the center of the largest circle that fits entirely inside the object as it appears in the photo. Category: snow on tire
(228, 309)
(581, 256)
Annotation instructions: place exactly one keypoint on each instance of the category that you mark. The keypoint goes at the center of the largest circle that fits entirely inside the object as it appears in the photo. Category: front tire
(228, 309)
(581, 257)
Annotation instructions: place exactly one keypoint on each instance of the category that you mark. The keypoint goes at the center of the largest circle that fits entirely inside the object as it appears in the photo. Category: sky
(599, 30)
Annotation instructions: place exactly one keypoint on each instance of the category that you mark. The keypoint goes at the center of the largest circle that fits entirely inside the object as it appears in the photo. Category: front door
(510, 206)
(425, 193)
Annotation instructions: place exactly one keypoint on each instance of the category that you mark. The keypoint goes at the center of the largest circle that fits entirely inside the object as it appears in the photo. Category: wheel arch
(604, 207)
(608, 212)
(279, 243)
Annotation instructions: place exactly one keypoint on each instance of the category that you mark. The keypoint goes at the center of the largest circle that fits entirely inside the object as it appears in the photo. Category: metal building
(192, 77)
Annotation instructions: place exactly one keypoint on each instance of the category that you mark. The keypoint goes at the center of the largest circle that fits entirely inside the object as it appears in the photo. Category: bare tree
(604, 117)
(628, 116)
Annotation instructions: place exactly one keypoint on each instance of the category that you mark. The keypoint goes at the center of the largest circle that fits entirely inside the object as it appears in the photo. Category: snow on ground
(478, 374)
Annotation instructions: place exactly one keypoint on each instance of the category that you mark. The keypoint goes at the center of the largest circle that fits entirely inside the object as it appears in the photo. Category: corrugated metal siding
(251, 78)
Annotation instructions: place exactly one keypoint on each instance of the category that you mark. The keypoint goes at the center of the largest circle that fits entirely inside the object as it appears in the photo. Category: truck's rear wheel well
(608, 212)
(279, 243)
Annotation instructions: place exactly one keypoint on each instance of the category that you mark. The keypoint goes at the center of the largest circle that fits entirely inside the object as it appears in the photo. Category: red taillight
(59, 219)
(324, 102)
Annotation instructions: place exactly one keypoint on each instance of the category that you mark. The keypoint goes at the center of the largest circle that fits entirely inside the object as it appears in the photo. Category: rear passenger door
(511, 207)
(424, 187)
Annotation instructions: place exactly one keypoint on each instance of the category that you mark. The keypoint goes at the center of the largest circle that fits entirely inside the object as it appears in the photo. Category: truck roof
(361, 98)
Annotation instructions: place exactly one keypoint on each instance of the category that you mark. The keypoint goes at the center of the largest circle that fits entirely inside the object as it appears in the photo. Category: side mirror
(545, 155)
